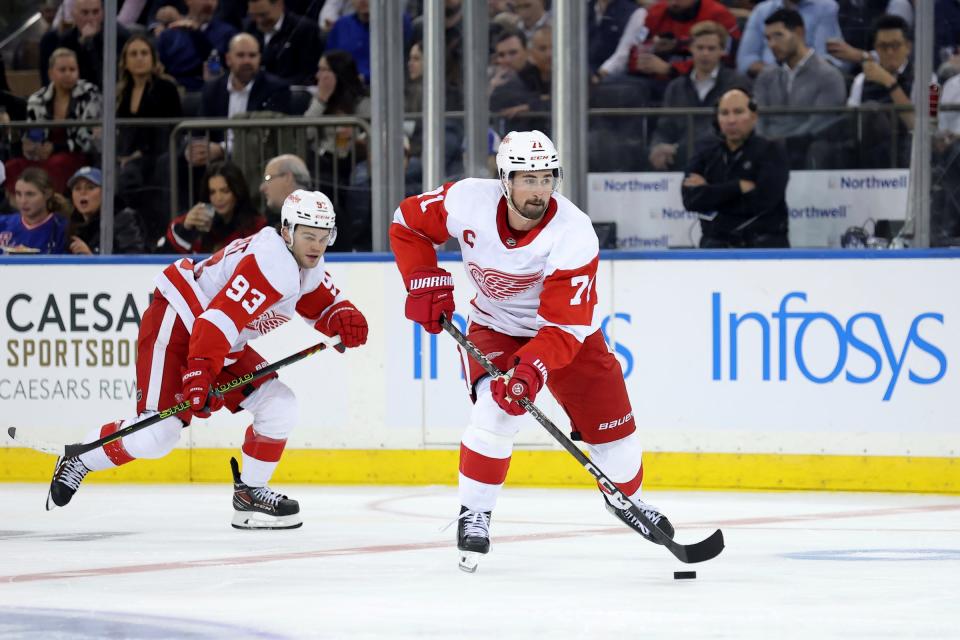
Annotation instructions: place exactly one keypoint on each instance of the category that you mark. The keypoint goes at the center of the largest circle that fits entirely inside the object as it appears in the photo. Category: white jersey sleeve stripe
(158, 359)
(222, 321)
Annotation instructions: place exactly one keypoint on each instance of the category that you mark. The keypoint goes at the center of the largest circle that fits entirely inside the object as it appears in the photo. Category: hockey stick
(74, 450)
(690, 553)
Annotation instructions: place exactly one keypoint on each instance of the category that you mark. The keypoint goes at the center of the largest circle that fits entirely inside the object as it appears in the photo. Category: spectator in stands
(413, 98)
(634, 35)
(39, 224)
(246, 88)
(282, 176)
(888, 80)
(702, 88)
(855, 18)
(533, 15)
(340, 91)
(186, 44)
(223, 214)
(666, 54)
(510, 58)
(531, 88)
(946, 31)
(945, 209)
(291, 44)
(144, 91)
(802, 79)
(85, 38)
(357, 230)
(83, 233)
(607, 21)
(332, 11)
(351, 33)
(819, 18)
(60, 152)
(738, 183)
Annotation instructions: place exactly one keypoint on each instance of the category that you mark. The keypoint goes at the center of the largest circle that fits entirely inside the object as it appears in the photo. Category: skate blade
(469, 560)
(256, 520)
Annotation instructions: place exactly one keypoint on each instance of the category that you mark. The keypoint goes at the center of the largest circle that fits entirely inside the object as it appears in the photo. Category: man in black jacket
(291, 44)
(85, 38)
(244, 89)
(738, 183)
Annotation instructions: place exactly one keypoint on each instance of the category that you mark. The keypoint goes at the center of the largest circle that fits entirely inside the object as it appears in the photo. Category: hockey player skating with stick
(194, 335)
(531, 256)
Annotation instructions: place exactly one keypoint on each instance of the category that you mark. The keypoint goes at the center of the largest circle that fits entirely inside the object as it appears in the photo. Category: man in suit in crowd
(246, 88)
(291, 44)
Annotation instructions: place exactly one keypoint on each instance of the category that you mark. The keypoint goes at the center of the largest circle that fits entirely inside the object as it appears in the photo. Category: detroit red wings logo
(498, 285)
(267, 322)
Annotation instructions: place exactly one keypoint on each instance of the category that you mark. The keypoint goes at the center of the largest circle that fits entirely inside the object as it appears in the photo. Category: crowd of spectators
(260, 58)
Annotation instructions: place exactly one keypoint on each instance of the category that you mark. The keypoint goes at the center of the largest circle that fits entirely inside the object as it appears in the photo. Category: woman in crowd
(60, 151)
(340, 92)
(224, 213)
(40, 221)
(83, 234)
(144, 91)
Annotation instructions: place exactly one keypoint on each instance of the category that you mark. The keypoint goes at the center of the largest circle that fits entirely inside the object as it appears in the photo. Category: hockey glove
(524, 381)
(429, 295)
(197, 381)
(345, 321)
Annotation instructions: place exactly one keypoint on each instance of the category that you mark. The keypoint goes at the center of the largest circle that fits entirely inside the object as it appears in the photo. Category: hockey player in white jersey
(194, 334)
(531, 256)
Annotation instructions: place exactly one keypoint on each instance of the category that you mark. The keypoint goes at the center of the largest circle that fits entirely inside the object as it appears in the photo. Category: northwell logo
(822, 346)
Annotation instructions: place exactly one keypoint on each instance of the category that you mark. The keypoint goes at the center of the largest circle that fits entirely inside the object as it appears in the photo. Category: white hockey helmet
(311, 209)
(526, 151)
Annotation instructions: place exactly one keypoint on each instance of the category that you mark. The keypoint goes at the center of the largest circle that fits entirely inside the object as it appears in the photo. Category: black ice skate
(473, 537)
(631, 521)
(261, 507)
(67, 476)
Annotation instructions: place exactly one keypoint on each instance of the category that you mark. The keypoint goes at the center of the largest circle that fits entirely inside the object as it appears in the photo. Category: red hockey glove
(197, 380)
(524, 381)
(345, 321)
(430, 294)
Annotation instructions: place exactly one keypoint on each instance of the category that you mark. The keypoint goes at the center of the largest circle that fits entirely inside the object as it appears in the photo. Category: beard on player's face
(532, 207)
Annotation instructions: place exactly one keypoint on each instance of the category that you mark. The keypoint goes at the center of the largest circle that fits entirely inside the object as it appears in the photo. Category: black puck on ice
(684, 575)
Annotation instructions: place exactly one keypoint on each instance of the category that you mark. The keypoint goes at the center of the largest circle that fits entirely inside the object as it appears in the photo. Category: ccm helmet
(526, 151)
(311, 209)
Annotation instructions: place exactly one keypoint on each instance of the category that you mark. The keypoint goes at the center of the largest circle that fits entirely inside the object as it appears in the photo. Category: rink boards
(792, 370)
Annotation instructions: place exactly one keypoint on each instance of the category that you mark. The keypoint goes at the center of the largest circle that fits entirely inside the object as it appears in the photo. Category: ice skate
(473, 537)
(628, 518)
(67, 476)
(261, 507)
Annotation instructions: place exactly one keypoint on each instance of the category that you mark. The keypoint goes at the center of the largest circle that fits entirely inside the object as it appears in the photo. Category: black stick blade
(12, 432)
(706, 549)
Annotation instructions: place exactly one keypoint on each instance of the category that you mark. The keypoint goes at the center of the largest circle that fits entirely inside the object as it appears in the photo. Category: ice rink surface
(144, 561)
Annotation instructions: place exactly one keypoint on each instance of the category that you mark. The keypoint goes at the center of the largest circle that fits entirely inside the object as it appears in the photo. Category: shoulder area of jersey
(473, 187)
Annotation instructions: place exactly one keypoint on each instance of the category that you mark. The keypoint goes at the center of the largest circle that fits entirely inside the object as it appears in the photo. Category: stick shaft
(74, 450)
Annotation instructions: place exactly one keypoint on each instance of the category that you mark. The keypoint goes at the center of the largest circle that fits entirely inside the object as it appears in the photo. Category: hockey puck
(684, 575)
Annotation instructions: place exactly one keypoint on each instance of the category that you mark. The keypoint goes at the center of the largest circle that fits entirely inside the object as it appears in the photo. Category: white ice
(144, 561)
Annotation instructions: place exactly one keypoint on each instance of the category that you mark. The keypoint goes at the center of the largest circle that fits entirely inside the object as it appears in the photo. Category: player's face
(309, 245)
(531, 191)
(30, 199)
(221, 197)
(86, 197)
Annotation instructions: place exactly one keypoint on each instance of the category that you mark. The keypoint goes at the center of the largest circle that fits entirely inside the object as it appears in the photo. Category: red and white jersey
(247, 289)
(524, 281)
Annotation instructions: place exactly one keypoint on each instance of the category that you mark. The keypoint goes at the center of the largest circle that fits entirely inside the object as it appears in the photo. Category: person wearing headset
(738, 182)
